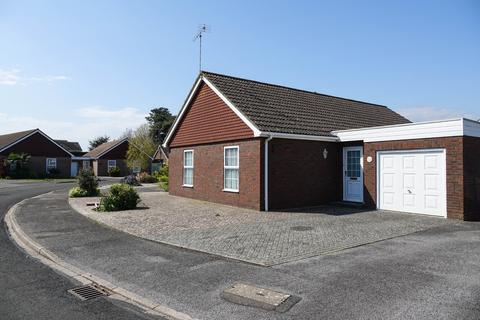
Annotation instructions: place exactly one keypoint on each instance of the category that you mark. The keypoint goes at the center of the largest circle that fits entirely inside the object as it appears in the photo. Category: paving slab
(263, 238)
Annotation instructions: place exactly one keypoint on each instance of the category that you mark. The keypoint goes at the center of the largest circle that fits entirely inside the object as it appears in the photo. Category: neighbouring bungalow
(159, 158)
(46, 155)
(109, 155)
(268, 147)
(78, 160)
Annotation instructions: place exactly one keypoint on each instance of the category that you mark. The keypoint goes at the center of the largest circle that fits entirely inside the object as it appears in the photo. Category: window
(188, 168)
(353, 164)
(111, 164)
(136, 167)
(86, 164)
(51, 164)
(230, 169)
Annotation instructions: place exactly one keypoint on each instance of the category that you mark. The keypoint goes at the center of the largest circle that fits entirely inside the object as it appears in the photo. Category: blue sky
(78, 69)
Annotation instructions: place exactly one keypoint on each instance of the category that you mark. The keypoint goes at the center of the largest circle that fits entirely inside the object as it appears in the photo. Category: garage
(412, 181)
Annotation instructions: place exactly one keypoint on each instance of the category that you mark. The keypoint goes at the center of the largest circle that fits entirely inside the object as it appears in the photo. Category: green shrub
(88, 182)
(114, 172)
(163, 182)
(144, 177)
(77, 192)
(162, 177)
(53, 173)
(120, 197)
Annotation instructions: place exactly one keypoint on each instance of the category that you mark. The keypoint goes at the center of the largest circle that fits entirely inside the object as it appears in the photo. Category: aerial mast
(203, 28)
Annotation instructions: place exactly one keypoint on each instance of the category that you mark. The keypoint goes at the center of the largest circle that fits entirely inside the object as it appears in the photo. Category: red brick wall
(454, 155)
(299, 176)
(471, 169)
(100, 167)
(39, 165)
(207, 120)
(208, 174)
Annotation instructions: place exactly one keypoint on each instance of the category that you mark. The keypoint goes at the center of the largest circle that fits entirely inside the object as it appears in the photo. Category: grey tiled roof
(274, 108)
(7, 139)
(102, 148)
(70, 145)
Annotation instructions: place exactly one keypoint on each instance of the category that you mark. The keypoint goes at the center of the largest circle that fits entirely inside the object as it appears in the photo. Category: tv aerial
(202, 29)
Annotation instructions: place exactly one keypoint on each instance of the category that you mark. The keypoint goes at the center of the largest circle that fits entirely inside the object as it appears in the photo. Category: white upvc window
(188, 168)
(86, 164)
(111, 164)
(51, 164)
(231, 169)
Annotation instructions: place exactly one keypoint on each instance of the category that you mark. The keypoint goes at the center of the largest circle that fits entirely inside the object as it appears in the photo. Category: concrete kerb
(77, 275)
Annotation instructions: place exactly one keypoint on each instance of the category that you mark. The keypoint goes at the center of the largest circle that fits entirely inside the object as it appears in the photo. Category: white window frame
(110, 166)
(225, 167)
(47, 166)
(86, 164)
(188, 167)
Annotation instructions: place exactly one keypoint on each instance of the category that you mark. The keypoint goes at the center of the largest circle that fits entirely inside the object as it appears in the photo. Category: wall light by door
(325, 154)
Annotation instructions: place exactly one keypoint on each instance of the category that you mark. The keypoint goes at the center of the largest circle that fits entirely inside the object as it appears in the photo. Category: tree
(97, 141)
(18, 164)
(159, 121)
(141, 148)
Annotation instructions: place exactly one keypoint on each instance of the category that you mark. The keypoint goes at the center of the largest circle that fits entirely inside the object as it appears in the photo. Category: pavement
(31, 290)
(263, 238)
(430, 274)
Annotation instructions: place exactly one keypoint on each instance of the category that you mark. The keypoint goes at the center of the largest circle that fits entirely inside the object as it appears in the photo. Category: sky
(80, 69)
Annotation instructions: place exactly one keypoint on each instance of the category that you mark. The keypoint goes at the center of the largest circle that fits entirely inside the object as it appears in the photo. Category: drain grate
(88, 292)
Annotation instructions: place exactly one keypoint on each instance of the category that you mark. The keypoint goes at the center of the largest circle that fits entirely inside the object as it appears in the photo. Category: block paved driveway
(257, 237)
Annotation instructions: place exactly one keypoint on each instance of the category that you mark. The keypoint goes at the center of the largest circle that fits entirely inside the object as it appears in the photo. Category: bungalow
(159, 158)
(263, 146)
(109, 155)
(78, 160)
(45, 153)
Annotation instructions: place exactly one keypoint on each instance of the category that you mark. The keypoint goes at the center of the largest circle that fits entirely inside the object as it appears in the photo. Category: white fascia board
(31, 134)
(111, 148)
(181, 113)
(471, 128)
(292, 136)
(409, 131)
(21, 139)
(256, 132)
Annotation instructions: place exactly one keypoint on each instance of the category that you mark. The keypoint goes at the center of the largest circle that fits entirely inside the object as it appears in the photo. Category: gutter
(265, 197)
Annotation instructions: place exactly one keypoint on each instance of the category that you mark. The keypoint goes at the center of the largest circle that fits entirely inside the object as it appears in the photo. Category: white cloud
(15, 77)
(84, 124)
(9, 77)
(417, 114)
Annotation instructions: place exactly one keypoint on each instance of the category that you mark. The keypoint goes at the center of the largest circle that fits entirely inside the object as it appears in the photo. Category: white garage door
(413, 181)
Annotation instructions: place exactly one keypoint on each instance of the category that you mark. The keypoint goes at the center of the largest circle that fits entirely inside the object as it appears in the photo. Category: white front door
(74, 169)
(412, 181)
(353, 174)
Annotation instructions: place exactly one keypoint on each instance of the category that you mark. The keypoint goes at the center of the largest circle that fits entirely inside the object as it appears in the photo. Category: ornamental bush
(120, 197)
(114, 172)
(88, 182)
(144, 177)
(77, 192)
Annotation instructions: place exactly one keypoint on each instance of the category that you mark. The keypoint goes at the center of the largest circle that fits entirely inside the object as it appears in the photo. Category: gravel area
(265, 238)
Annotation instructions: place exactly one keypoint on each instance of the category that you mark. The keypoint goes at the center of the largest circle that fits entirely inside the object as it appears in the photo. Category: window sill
(187, 185)
(230, 190)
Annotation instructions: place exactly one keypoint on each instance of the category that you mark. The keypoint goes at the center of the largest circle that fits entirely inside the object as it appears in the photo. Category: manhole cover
(88, 292)
(301, 228)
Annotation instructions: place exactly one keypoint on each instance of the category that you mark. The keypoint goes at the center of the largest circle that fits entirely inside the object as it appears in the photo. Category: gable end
(207, 118)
